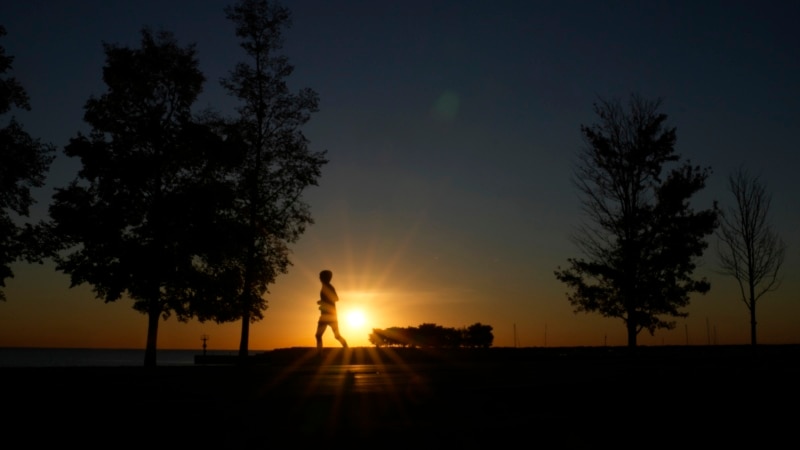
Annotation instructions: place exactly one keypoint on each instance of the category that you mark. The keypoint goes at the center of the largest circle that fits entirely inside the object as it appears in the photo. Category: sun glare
(356, 319)
(357, 316)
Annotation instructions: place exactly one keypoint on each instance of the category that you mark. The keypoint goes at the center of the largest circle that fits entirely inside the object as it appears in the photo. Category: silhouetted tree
(451, 338)
(395, 337)
(429, 335)
(642, 236)
(398, 336)
(478, 335)
(278, 165)
(128, 224)
(750, 250)
(23, 165)
(378, 338)
(12, 93)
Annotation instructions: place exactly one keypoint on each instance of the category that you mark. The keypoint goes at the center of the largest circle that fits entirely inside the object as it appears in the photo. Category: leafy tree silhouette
(642, 236)
(128, 224)
(478, 335)
(277, 165)
(24, 162)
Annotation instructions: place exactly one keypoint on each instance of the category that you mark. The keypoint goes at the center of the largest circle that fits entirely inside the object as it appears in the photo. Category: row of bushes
(432, 335)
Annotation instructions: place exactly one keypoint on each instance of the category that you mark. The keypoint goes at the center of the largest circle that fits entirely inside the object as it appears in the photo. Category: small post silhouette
(204, 338)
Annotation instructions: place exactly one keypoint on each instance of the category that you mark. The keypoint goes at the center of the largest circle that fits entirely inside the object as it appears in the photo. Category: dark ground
(655, 397)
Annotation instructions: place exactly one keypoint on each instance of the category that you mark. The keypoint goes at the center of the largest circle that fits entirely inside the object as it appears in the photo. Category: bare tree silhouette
(749, 249)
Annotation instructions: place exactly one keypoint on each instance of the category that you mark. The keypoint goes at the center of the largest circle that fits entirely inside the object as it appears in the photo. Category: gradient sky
(451, 127)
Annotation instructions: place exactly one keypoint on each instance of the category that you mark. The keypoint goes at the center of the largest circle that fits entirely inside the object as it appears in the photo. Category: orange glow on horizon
(384, 293)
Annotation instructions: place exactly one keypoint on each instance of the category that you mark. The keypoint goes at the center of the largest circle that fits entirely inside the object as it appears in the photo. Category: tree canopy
(24, 162)
(642, 236)
(128, 224)
(277, 164)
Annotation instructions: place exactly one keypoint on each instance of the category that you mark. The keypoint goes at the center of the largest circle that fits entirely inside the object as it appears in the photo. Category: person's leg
(320, 330)
(335, 328)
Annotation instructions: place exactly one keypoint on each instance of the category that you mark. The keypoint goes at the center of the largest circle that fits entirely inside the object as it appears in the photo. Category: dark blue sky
(451, 127)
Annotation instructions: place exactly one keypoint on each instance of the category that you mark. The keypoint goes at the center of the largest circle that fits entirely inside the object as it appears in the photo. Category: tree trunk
(752, 307)
(152, 334)
(243, 343)
(631, 334)
(246, 294)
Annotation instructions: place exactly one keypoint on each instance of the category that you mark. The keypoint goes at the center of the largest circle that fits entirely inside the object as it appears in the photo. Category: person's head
(325, 276)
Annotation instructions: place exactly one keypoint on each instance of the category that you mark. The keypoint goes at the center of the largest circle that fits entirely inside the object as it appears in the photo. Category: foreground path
(559, 400)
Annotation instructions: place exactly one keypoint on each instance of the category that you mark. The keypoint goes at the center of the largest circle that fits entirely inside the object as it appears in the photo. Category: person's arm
(334, 295)
(328, 295)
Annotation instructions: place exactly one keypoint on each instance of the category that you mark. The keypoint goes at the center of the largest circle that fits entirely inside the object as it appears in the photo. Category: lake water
(81, 357)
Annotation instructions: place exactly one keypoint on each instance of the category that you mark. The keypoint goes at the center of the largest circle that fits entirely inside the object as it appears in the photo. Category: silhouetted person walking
(327, 308)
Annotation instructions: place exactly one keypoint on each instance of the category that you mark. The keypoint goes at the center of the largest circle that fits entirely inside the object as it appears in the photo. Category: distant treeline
(432, 335)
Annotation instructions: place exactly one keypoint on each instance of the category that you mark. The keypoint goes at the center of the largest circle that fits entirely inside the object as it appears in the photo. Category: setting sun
(355, 320)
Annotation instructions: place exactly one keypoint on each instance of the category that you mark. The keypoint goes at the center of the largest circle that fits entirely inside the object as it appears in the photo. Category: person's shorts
(328, 320)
